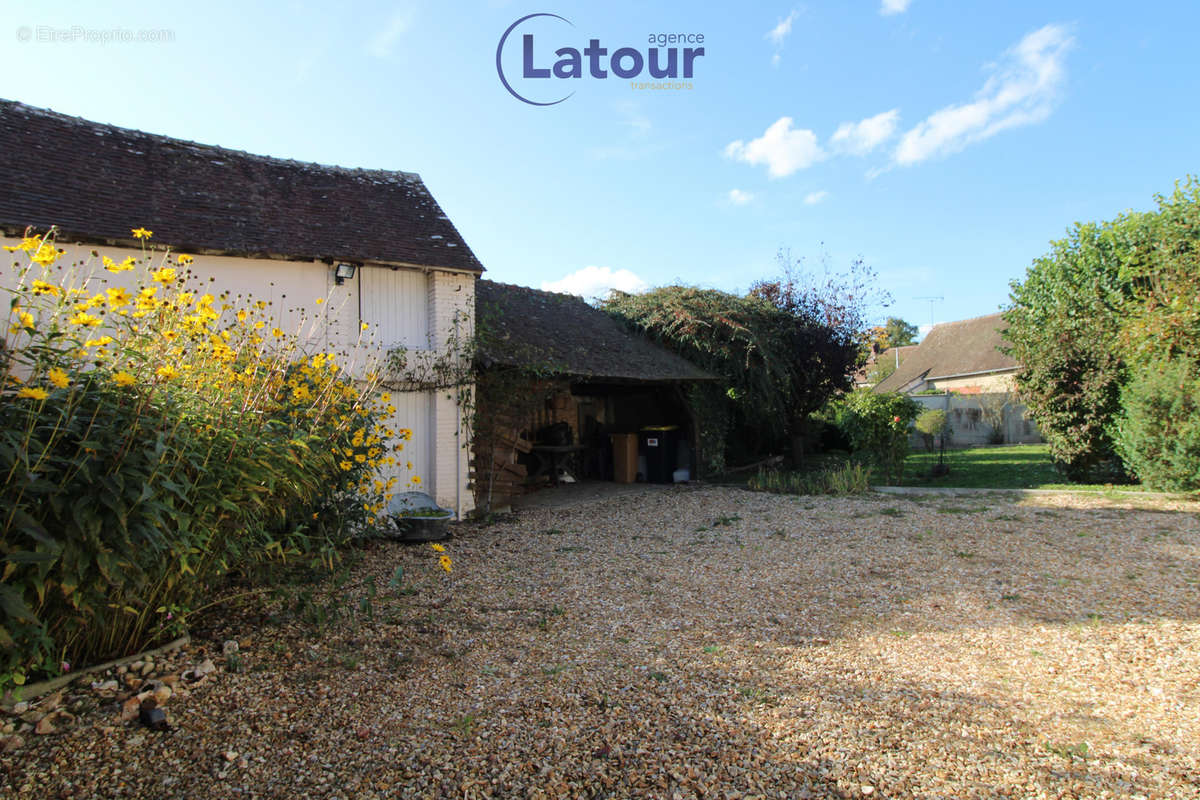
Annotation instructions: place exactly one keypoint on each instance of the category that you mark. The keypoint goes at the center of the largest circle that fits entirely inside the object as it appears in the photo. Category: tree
(1107, 297)
(1064, 328)
(898, 333)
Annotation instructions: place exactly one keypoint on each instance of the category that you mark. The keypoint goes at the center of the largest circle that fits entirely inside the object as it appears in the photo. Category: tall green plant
(154, 440)
(1158, 430)
(877, 425)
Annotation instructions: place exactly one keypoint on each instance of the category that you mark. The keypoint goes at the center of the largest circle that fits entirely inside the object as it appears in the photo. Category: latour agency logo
(540, 63)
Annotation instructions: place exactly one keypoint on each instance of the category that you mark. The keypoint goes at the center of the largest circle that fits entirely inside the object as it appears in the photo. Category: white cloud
(592, 282)
(740, 198)
(890, 7)
(384, 40)
(781, 31)
(1022, 90)
(860, 138)
(779, 34)
(812, 198)
(782, 149)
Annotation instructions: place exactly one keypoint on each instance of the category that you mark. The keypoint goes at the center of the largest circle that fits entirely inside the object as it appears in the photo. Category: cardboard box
(625, 456)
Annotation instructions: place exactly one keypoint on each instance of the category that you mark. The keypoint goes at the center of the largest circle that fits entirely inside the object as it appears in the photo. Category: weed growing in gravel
(891, 512)
(714, 650)
(844, 480)
(1069, 751)
(963, 554)
(959, 510)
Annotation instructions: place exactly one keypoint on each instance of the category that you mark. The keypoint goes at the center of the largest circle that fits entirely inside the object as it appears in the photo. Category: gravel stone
(701, 642)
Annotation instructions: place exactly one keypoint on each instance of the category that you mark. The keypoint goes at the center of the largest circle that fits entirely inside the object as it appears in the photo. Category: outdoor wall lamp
(341, 272)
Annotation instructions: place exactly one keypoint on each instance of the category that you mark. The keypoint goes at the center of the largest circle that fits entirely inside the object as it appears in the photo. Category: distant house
(962, 356)
(271, 227)
(959, 367)
(598, 379)
(880, 365)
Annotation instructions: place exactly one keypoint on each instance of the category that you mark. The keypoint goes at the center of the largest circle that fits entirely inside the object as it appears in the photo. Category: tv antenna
(932, 300)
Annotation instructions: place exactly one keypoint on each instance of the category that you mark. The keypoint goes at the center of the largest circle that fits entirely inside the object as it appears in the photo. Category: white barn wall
(414, 307)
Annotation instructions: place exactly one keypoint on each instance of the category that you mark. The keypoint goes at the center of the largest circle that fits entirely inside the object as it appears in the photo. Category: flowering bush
(876, 424)
(154, 438)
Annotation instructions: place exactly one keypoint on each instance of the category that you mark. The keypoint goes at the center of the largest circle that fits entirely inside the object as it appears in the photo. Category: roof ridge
(83, 122)
(969, 319)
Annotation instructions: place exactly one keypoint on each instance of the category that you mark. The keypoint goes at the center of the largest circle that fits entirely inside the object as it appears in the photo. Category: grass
(1021, 466)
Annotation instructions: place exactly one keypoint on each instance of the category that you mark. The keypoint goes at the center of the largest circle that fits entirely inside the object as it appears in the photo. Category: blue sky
(945, 143)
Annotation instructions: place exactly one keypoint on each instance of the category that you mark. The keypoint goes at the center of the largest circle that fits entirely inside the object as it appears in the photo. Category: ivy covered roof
(561, 333)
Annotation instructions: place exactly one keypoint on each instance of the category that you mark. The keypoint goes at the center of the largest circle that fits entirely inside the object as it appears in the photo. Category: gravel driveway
(701, 643)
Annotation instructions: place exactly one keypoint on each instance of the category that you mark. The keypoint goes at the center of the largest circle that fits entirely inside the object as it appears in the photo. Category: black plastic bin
(660, 446)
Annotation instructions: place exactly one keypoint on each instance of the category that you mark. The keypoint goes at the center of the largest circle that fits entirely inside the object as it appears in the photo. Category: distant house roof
(564, 333)
(966, 347)
(96, 182)
(889, 357)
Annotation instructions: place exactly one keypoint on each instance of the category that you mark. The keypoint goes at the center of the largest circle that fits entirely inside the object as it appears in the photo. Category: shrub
(155, 440)
(931, 423)
(1158, 432)
(877, 427)
(1107, 297)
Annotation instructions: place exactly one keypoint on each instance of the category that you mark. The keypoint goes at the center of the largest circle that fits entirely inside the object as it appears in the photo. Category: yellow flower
(167, 371)
(24, 321)
(141, 233)
(123, 379)
(445, 562)
(259, 325)
(416, 480)
(360, 458)
(408, 465)
(28, 244)
(170, 335)
(103, 340)
(346, 466)
(30, 393)
(164, 276)
(276, 332)
(124, 266)
(118, 297)
(365, 326)
(59, 378)
(437, 547)
(46, 255)
(184, 259)
(84, 318)
(41, 287)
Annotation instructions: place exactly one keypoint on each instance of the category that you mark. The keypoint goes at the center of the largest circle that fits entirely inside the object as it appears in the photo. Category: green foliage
(781, 351)
(898, 333)
(876, 424)
(931, 423)
(1158, 431)
(149, 456)
(846, 479)
(1107, 296)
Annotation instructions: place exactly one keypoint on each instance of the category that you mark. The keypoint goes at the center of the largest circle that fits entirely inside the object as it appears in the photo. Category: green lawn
(1023, 466)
